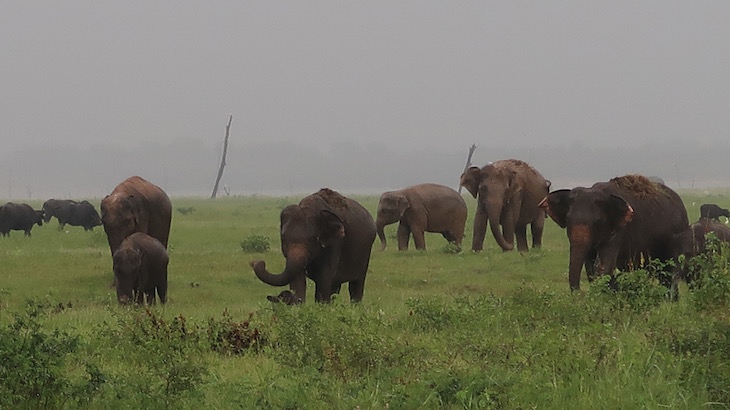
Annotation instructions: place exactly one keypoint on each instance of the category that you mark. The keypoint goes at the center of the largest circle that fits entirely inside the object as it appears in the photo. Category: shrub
(186, 210)
(637, 290)
(256, 244)
(451, 248)
(165, 360)
(33, 364)
(229, 337)
(710, 273)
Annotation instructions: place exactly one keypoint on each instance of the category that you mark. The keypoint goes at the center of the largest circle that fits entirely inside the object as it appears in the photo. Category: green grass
(435, 329)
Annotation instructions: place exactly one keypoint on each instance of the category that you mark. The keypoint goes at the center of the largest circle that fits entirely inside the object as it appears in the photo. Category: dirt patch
(639, 185)
(332, 198)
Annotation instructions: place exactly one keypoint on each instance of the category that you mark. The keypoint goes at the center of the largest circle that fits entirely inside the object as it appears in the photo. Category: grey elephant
(422, 208)
(140, 268)
(507, 194)
(327, 238)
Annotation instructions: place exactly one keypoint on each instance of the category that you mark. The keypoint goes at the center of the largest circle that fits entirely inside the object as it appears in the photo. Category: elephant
(285, 297)
(713, 211)
(507, 193)
(422, 208)
(328, 238)
(19, 217)
(616, 224)
(70, 212)
(136, 205)
(691, 242)
(140, 268)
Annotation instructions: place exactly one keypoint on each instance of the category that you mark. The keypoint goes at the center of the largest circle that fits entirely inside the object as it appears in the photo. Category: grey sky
(403, 76)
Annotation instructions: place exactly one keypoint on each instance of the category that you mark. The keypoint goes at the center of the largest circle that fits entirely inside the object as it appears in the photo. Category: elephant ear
(331, 228)
(470, 179)
(618, 212)
(403, 204)
(556, 204)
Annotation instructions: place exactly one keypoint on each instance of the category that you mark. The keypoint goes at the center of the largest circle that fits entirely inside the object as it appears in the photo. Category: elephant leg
(449, 236)
(590, 265)
(336, 288)
(404, 233)
(537, 227)
(356, 288)
(150, 293)
(480, 228)
(299, 288)
(162, 292)
(521, 233)
(324, 282)
(419, 238)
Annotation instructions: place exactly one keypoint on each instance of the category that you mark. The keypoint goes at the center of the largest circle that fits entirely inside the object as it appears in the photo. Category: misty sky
(336, 77)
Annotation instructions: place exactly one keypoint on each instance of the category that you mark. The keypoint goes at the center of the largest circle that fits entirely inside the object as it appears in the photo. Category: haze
(358, 96)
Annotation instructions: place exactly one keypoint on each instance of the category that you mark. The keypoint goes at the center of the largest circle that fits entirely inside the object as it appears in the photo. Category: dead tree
(223, 159)
(468, 161)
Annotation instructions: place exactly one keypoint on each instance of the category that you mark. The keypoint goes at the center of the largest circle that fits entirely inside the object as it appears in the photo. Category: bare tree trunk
(223, 159)
(468, 160)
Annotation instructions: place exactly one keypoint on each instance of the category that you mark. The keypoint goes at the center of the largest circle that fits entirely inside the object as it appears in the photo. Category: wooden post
(468, 160)
(223, 159)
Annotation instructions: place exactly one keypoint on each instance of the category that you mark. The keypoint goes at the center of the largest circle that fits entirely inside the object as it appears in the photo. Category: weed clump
(256, 244)
(186, 210)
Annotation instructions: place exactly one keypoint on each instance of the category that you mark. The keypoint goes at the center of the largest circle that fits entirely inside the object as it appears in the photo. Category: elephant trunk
(580, 245)
(296, 263)
(494, 212)
(380, 225)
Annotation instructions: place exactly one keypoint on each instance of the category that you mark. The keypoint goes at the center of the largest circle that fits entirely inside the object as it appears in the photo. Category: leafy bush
(165, 360)
(33, 364)
(710, 274)
(637, 290)
(256, 244)
(451, 248)
(229, 337)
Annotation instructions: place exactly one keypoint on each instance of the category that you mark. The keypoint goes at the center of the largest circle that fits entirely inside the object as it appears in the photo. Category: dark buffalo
(71, 212)
(712, 211)
(18, 217)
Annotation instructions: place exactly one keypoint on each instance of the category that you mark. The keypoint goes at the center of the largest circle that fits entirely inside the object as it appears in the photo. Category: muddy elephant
(422, 208)
(328, 238)
(71, 212)
(19, 217)
(713, 211)
(507, 194)
(616, 224)
(136, 205)
(140, 269)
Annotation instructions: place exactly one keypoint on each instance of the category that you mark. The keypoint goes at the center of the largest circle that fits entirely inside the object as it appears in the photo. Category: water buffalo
(18, 217)
(71, 212)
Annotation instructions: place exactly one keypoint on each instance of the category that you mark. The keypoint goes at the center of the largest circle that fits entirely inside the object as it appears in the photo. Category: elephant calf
(140, 268)
(422, 208)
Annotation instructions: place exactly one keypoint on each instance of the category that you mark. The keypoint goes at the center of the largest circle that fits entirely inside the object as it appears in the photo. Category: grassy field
(435, 329)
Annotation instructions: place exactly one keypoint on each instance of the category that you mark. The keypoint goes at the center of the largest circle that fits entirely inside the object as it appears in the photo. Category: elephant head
(494, 188)
(307, 233)
(594, 220)
(391, 207)
(127, 273)
(122, 215)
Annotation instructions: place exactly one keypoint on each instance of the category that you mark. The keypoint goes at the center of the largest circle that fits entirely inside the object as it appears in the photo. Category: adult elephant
(422, 208)
(136, 205)
(691, 242)
(616, 224)
(19, 217)
(328, 238)
(507, 194)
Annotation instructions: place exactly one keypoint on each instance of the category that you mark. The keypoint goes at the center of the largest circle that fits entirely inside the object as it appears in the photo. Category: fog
(358, 96)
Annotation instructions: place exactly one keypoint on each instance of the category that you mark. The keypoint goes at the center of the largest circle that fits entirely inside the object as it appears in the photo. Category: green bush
(637, 290)
(256, 244)
(227, 336)
(451, 248)
(164, 360)
(710, 273)
(34, 364)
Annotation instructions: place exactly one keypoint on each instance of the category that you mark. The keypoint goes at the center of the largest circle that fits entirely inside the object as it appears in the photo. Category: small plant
(256, 244)
(636, 290)
(451, 248)
(185, 210)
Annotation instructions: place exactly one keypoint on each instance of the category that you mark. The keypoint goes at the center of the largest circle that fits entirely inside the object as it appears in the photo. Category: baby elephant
(140, 268)
(713, 211)
(286, 297)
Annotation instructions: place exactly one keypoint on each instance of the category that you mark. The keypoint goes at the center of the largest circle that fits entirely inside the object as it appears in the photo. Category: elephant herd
(328, 238)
